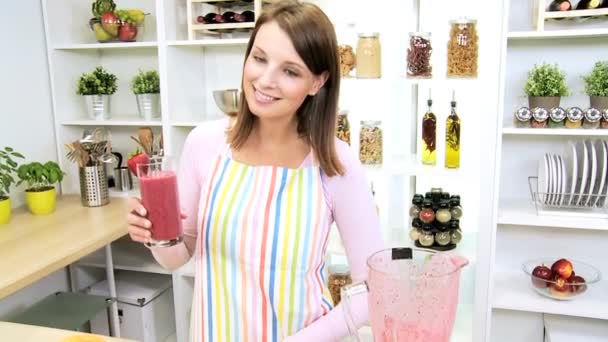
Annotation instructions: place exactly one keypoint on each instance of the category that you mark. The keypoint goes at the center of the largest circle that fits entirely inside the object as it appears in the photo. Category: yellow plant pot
(41, 202)
(5, 211)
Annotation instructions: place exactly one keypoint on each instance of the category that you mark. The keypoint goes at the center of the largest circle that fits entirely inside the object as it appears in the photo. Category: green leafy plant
(98, 82)
(99, 7)
(8, 166)
(39, 177)
(596, 83)
(546, 80)
(146, 82)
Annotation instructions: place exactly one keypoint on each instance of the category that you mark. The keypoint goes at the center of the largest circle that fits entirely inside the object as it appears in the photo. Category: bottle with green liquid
(429, 135)
(452, 137)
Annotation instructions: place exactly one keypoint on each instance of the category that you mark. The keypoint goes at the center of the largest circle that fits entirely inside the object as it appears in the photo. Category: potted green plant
(596, 86)
(40, 194)
(545, 86)
(8, 166)
(96, 87)
(146, 87)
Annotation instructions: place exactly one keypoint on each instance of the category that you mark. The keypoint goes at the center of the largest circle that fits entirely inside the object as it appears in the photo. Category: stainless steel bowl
(228, 100)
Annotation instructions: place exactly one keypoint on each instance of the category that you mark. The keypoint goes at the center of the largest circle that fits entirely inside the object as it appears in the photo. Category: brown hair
(314, 39)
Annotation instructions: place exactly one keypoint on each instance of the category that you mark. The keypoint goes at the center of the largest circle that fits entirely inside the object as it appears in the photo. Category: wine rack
(542, 14)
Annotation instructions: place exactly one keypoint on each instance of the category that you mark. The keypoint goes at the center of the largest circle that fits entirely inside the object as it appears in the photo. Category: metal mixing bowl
(228, 100)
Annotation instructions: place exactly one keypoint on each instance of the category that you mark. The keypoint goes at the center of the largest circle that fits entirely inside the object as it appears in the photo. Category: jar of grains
(369, 56)
(463, 48)
(419, 55)
(370, 142)
(339, 276)
(343, 127)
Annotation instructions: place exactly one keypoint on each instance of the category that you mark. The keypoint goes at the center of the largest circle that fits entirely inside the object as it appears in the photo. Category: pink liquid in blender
(160, 198)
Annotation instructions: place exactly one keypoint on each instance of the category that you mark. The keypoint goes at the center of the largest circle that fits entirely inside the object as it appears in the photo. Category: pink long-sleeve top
(348, 199)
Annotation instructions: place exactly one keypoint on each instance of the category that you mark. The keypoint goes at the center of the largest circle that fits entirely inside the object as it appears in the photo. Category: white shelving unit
(191, 69)
(518, 233)
(570, 329)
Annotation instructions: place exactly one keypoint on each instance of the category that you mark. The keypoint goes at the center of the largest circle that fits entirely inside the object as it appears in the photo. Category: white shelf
(521, 212)
(129, 256)
(112, 122)
(186, 123)
(576, 13)
(512, 291)
(211, 42)
(557, 34)
(117, 45)
(555, 131)
(571, 329)
(412, 167)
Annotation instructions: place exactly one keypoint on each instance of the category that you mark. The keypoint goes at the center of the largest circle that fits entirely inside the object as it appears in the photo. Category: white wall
(26, 118)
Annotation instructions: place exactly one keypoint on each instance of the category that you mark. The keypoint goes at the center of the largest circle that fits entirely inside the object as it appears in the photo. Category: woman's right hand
(139, 225)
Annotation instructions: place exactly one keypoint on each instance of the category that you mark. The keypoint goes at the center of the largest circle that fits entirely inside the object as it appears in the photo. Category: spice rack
(599, 209)
(543, 15)
(199, 7)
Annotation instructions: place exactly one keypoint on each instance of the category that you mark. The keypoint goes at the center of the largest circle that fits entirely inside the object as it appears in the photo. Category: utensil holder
(93, 186)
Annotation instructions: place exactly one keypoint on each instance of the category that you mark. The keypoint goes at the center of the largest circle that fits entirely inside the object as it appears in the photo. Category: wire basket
(567, 204)
(93, 186)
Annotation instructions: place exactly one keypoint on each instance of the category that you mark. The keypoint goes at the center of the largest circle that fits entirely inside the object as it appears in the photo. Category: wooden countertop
(32, 247)
(31, 333)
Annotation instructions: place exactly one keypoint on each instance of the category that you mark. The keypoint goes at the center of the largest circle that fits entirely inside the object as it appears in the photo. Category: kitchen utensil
(583, 167)
(557, 179)
(122, 175)
(552, 179)
(601, 169)
(228, 100)
(562, 194)
(571, 162)
(413, 295)
(604, 189)
(592, 172)
(146, 138)
(543, 179)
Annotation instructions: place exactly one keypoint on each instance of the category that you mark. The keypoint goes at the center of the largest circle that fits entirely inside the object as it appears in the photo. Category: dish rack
(563, 204)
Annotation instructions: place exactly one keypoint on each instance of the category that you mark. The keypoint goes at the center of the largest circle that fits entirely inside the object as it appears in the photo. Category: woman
(260, 194)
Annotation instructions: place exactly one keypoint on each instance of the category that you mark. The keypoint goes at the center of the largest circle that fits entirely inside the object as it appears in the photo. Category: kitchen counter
(32, 247)
(30, 333)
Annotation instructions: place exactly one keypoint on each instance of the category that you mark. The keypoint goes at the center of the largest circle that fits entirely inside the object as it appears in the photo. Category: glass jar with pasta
(370, 142)
(463, 48)
(419, 55)
(369, 56)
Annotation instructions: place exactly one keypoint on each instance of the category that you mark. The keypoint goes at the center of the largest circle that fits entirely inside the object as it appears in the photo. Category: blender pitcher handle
(346, 294)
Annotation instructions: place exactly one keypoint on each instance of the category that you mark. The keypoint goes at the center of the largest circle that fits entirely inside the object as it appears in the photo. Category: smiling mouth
(262, 97)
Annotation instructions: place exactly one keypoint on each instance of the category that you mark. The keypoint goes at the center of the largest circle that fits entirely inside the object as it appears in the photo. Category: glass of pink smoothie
(159, 195)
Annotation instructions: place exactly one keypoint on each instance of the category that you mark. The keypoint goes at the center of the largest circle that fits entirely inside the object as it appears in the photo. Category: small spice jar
(369, 56)
(416, 230)
(443, 214)
(339, 276)
(574, 117)
(427, 238)
(521, 117)
(443, 238)
(463, 48)
(419, 55)
(427, 214)
(456, 209)
(343, 127)
(604, 122)
(347, 60)
(455, 232)
(592, 118)
(370, 142)
(539, 117)
(416, 205)
(557, 116)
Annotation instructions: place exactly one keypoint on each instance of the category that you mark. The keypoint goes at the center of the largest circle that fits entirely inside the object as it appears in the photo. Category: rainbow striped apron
(260, 252)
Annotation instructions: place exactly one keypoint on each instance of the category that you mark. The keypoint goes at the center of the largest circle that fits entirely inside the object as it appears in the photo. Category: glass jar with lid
(592, 118)
(539, 117)
(604, 121)
(343, 127)
(419, 55)
(574, 117)
(463, 48)
(339, 276)
(521, 117)
(347, 42)
(369, 56)
(370, 142)
(557, 116)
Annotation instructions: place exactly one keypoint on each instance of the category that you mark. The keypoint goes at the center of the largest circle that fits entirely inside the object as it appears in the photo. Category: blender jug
(412, 295)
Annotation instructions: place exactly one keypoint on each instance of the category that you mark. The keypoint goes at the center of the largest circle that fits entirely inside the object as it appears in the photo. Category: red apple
(577, 284)
(539, 273)
(110, 23)
(563, 268)
(127, 32)
(560, 287)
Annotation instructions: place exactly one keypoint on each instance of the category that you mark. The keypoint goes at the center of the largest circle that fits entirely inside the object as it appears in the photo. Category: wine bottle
(229, 17)
(429, 135)
(249, 16)
(213, 18)
(560, 5)
(452, 138)
(588, 4)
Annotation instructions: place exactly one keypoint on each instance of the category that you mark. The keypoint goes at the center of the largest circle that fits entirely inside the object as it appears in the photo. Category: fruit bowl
(228, 100)
(561, 279)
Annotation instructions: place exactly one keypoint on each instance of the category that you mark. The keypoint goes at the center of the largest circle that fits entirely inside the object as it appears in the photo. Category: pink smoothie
(161, 200)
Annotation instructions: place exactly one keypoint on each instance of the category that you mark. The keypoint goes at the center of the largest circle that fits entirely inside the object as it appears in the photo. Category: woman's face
(276, 80)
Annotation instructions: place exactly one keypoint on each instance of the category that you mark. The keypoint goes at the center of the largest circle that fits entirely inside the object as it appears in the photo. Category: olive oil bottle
(429, 135)
(452, 137)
